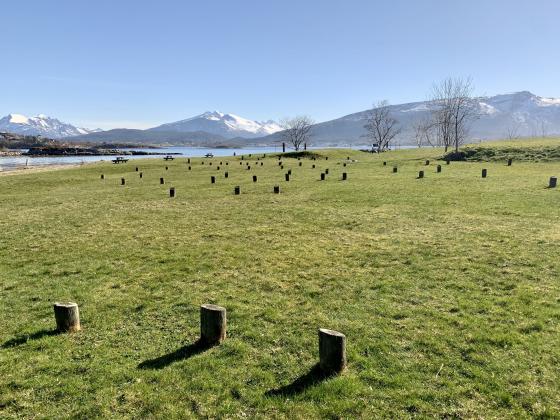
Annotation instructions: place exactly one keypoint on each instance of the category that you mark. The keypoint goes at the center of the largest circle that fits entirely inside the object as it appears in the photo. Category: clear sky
(136, 64)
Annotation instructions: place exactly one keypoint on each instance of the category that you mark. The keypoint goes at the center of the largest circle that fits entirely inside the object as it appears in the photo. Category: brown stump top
(212, 307)
(332, 332)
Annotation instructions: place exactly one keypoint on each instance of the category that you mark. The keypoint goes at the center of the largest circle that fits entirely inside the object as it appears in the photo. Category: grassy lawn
(447, 288)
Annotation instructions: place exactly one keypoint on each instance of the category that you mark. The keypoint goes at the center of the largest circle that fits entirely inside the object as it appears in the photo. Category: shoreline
(40, 168)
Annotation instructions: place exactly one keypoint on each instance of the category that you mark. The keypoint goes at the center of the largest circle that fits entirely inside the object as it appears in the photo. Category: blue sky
(141, 63)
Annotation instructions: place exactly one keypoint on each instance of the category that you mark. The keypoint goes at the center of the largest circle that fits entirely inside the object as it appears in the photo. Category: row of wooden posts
(213, 327)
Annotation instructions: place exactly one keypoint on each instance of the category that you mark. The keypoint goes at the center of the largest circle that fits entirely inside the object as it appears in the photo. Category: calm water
(10, 163)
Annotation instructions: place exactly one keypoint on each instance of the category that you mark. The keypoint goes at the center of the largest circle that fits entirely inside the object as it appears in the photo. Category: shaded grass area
(531, 151)
(446, 287)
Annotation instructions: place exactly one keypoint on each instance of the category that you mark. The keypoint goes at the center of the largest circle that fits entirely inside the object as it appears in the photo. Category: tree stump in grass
(484, 173)
(248, 168)
(241, 163)
(254, 178)
(226, 175)
(217, 168)
(326, 158)
(210, 163)
(448, 162)
(427, 162)
(140, 175)
(287, 177)
(137, 169)
(236, 190)
(202, 163)
(332, 351)
(67, 316)
(509, 162)
(212, 179)
(261, 164)
(189, 160)
(189, 168)
(102, 176)
(395, 169)
(123, 181)
(161, 181)
(438, 169)
(227, 163)
(322, 176)
(384, 163)
(212, 324)
(344, 164)
(344, 176)
(166, 168)
(327, 171)
(172, 192)
(289, 172)
(312, 166)
(276, 189)
(552, 182)
(420, 174)
(299, 163)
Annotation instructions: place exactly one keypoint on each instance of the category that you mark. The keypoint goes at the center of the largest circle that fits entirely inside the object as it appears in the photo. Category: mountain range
(509, 115)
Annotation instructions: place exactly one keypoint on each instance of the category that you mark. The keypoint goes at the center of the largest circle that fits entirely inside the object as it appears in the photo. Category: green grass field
(447, 288)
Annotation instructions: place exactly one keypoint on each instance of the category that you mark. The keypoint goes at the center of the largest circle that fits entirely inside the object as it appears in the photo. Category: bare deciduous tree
(425, 133)
(297, 130)
(381, 126)
(512, 131)
(453, 110)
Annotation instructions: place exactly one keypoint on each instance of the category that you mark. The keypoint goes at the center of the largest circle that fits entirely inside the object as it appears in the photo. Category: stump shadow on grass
(182, 353)
(18, 341)
(314, 377)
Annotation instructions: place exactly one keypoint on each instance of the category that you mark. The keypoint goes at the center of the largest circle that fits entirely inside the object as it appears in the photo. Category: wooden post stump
(217, 168)
(123, 181)
(210, 163)
(254, 178)
(172, 192)
(189, 168)
(236, 190)
(67, 316)
(420, 174)
(327, 171)
(322, 176)
(312, 166)
(102, 176)
(212, 179)
(248, 168)
(438, 169)
(447, 162)
(344, 176)
(161, 181)
(261, 164)
(395, 169)
(510, 160)
(226, 175)
(137, 169)
(287, 177)
(427, 162)
(384, 163)
(212, 324)
(484, 173)
(326, 158)
(332, 351)
(166, 168)
(189, 160)
(300, 163)
(276, 189)
(344, 164)
(552, 182)
(289, 172)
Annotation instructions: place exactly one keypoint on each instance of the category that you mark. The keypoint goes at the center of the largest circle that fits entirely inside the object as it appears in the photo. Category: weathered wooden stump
(261, 164)
(217, 168)
(344, 176)
(327, 171)
(212, 179)
(438, 169)
(384, 163)
(326, 158)
(420, 174)
(552, 182)
(300, 163)
(395, 169)
(166, 168)
(510, 160)
(289, 172)
(276, 189)
(161, 181)
(241, 157)
(172, 192)
(287, 177)
(140, 174)
(427, 162)
(280, 163)
(484, 173)
(123, 181)
(332, 351)
(237, 190)
(322, 176)
(102, 176)
(312, 166)
(137, 169)
(212, 324)
(227, 163)
(210, 163)
(189, 160)
(67, 316)
(254, 178)
(447, 162)
(248, 168)
(189, 168)
(226, 174)
(241, 163)
(344, 164)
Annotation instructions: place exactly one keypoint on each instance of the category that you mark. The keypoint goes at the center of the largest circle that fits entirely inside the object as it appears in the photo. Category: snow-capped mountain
(517, 114)
(40, 125)
(225, 125)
